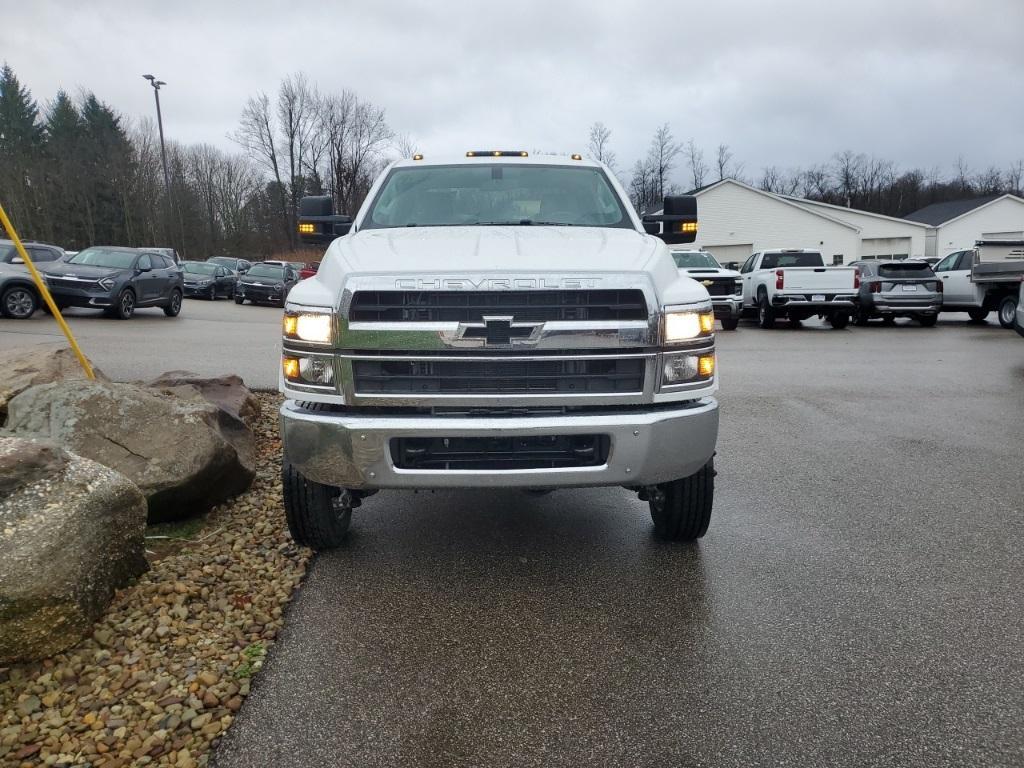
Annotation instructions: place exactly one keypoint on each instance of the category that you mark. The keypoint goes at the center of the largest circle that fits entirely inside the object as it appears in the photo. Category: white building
(736, 219)
(957, 224)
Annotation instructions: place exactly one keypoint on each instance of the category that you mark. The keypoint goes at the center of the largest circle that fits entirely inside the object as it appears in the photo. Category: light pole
(160, 124)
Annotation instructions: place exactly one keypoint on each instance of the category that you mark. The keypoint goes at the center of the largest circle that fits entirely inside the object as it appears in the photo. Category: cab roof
(489, 159)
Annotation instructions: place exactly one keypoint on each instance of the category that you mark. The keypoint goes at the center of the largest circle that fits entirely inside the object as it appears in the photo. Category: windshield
(224, 261)
(200, 268)
(467, 195)
(101, 257)
(265, 270)
(694, 259)
(804, 259)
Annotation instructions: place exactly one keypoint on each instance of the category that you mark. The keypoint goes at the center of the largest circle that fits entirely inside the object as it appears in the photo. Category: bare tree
(256, 134)
(963, 176)
(1014, 175)
(598, 145)
(723, 160)
(695, 160)
(661, 158)
(404, 145)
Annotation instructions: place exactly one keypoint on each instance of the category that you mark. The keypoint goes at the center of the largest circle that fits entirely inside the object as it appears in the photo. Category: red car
(309, 269)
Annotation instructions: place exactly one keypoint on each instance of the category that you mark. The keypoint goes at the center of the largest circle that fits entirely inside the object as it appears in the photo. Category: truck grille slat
(532, 376)
(499, 453)
(471, 306)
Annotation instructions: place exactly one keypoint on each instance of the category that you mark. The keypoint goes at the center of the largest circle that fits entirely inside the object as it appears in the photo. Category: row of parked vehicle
(794, 284)
(120, 280)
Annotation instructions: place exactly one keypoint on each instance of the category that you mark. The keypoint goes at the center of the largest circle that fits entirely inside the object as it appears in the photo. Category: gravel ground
(166, 670)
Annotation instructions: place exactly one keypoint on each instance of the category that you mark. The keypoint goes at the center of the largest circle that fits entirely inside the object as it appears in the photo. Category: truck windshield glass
(904, 270)
(263, 270)
(806, 259)
(694, 259)
(101, 257)
(496, 194)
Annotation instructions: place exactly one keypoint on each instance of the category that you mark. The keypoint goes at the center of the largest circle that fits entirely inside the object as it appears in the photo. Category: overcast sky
(786, 83)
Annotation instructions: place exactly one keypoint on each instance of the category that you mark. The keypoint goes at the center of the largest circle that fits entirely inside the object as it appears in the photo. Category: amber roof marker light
(497, 153)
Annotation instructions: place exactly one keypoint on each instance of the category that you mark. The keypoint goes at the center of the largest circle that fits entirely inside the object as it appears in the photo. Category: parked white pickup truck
(795, 283)
(724, 285)
(984, 278)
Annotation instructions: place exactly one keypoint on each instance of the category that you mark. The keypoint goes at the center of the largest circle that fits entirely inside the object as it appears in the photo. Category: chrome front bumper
(647, 447)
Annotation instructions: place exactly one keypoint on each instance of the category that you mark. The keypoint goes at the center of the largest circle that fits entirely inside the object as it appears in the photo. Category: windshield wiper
(520, 223)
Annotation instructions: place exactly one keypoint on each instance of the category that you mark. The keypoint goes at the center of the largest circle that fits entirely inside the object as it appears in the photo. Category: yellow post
(45, 293)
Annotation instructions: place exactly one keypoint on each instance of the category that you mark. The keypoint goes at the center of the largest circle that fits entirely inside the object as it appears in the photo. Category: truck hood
(485, 249)
(488, 255)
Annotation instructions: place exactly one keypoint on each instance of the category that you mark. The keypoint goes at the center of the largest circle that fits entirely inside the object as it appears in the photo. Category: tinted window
(101, 257)
(7, 252)
(199, 268)
(808, 259)
(867, 270)
(42, 254)
(145, 261)
(948, 262)
(748, 264)
(909, 269)
(495, 193)
(966, 260)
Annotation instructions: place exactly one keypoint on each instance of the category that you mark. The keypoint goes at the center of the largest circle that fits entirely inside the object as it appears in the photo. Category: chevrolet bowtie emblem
(707, 282)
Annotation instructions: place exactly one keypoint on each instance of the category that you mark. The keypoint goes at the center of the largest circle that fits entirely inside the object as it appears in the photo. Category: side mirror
(17, 260)
(317, 221)
(145, 269)
(679, 216)
(733, 265)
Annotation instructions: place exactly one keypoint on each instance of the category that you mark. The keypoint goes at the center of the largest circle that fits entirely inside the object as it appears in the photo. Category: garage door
(727, 253)
(887, 247)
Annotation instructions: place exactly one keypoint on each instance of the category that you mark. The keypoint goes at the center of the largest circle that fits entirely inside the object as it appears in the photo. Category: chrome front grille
(513, 375)
(473, 306)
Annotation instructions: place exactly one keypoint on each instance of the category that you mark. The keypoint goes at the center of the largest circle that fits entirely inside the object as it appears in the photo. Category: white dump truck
(984, 278)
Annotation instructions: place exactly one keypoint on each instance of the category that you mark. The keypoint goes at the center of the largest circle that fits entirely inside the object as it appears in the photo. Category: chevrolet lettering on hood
(497, 321)
(496, 284)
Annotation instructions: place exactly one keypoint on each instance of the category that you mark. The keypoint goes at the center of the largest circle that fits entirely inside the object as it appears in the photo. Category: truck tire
(978, 315)
(316, 518)
(681, 509)
(730, 323)
(928, 321)
(765, 312)
(839, 320)
(1007, 311)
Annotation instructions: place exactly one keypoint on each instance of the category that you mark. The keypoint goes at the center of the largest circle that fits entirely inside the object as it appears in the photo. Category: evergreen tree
(21, 138)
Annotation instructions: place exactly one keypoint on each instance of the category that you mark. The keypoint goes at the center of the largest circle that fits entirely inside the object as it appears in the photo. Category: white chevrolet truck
(794, 283)
(497, 321)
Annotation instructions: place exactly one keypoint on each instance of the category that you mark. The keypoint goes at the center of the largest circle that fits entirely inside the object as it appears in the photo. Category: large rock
(183, 452)
(24, 367)
(71, 532)
(227, 392)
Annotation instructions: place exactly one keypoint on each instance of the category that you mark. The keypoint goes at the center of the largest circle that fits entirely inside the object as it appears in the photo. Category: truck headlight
(688, 325)
(309, 325)
(318, 371)
(683, 368)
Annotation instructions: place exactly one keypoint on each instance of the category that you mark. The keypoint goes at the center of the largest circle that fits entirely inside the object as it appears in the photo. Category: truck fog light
(684, 369)
(316, 370)
(290, 366)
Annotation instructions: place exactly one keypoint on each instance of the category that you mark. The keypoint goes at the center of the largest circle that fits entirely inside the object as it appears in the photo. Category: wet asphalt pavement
(858, 599)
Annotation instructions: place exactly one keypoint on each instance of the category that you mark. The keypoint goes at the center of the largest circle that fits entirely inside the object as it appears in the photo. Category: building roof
(841, 209)
(939, 213)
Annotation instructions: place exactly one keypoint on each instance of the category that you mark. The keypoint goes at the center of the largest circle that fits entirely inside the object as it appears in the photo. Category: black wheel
(928, 321)
(318, 515)
(239, 299)
(978, 315)
(839, 320)
(861, 318)
(681, 510)
(19, 302)
(125, 306)
(1007, 311)
(173, 304)
(765, 312)
(889, 320)
(213, 292)
(730, 323)
(794, 321)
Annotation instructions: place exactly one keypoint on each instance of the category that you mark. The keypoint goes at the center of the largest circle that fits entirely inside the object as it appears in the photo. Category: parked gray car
(891, 289)
(116, 280)
(19, 298)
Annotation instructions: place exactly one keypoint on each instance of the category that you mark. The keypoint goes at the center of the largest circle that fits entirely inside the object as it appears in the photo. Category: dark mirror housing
(679, 217)
(318, 223)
